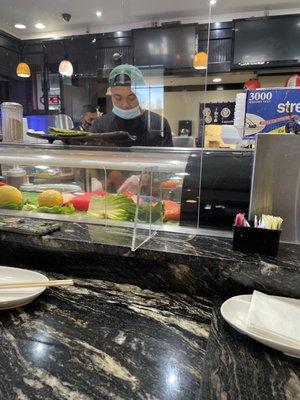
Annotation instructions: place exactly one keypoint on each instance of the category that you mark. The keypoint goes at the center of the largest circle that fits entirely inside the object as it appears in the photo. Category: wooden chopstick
(25, 284)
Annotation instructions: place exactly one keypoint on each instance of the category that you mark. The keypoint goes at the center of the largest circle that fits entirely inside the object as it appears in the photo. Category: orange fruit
(10, 195)
(50, 198)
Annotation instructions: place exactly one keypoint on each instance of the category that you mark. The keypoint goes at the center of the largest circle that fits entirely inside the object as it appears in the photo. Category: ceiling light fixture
(213, 2)
(23, 70)
(20, 26)
(98, 13)
(66, 68)
(40, 26)
(200, 60)
(216, 80)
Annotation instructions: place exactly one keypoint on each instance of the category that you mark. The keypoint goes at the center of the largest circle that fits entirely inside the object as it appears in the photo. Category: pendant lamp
(66, 68)
(23, 70)
(200, 60)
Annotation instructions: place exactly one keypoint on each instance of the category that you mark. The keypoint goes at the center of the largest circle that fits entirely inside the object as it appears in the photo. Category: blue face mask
(127, 114)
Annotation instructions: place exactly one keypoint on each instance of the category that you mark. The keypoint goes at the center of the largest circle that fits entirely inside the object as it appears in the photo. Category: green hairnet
(135, 75)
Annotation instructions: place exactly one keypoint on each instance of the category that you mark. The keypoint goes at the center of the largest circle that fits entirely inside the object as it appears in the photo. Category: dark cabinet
(8, 62)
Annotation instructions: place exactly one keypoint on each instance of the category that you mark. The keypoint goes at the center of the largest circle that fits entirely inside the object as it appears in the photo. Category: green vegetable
(157, 212)
(68, 209)
(29, 207)
(11, 206)
(66, 132)
(114, 206)
(30, 197)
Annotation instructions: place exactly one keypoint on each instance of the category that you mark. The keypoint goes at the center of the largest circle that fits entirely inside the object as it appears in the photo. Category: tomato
(171, 210)
(82, 201)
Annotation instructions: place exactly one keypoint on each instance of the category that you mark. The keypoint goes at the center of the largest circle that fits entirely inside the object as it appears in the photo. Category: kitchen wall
(185, 104)
(274, 81)
(75, 97)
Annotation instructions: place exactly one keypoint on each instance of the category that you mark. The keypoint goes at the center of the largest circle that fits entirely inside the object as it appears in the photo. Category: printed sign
(270, 110)
(217, 113)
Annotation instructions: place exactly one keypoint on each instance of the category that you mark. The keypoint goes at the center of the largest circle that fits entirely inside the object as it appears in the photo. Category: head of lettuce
(127, 87)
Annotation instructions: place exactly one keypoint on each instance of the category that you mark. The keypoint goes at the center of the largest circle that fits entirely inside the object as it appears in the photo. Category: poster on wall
(270, 110)
(217, 113)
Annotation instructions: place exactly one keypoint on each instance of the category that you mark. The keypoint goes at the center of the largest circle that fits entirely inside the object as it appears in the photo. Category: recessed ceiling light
(217, 80)
(98, 13)
(20, 26)
(39, 25)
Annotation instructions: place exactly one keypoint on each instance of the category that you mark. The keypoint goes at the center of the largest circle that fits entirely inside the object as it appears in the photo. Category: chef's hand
(130, 185)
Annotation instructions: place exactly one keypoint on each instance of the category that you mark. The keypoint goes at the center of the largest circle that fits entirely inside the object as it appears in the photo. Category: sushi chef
(150, 129)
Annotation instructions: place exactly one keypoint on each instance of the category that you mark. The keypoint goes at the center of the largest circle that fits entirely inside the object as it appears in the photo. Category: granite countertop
(105, 340)
(201, 264)
(143, 324)
(101, 340)
(239, 368)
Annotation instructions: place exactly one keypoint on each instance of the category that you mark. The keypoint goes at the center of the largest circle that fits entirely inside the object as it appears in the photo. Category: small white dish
(11, 298)
(235, 312)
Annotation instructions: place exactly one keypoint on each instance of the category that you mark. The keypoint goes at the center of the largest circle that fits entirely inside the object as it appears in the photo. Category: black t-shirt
(149, 128)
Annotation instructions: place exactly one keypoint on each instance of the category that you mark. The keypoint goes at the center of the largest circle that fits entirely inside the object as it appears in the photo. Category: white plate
(235, 312)
(11, 298)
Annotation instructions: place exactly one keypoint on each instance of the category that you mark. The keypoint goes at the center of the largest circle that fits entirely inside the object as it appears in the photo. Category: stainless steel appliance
(276, 181)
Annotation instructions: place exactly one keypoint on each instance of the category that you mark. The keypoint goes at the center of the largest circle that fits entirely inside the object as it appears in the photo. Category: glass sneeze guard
(129, 195)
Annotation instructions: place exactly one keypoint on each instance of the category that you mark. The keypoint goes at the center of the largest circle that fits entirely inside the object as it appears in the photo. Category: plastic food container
(12, 122)
(16, 177)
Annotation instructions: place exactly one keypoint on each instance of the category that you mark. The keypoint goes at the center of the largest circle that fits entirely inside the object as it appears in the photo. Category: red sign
(53, 100)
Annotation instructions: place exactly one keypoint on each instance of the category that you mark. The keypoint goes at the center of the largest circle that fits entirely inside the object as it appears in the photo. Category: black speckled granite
(202, 265)
(137, 325)
(100, 340)
(239, 368)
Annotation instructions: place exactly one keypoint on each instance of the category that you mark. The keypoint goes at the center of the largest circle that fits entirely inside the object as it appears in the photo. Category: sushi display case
(125, 196)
